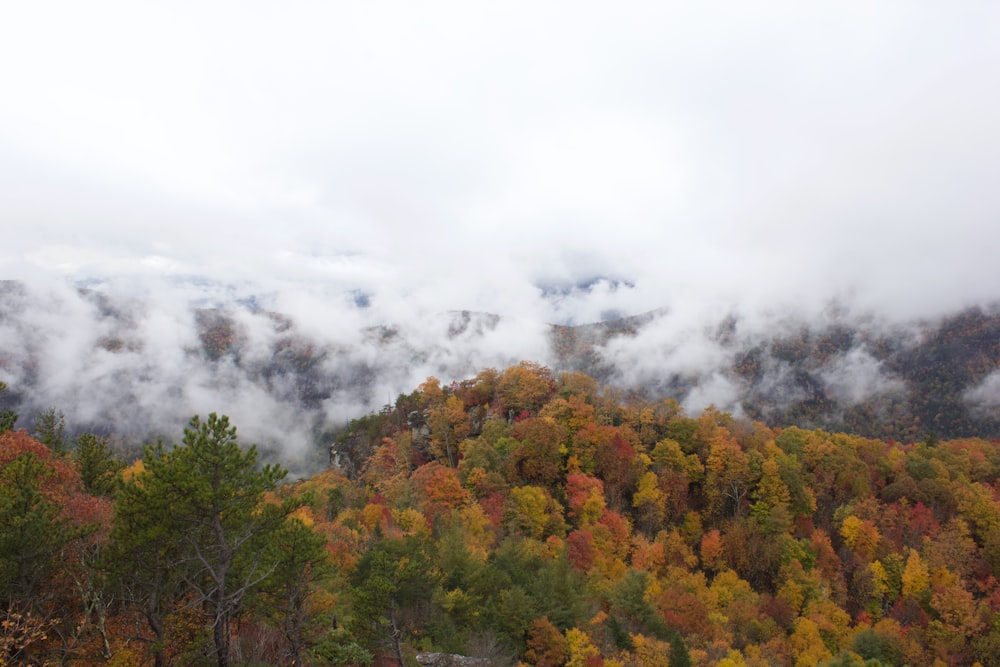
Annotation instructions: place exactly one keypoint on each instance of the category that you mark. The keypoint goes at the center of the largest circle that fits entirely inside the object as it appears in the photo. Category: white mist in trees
(193, 525)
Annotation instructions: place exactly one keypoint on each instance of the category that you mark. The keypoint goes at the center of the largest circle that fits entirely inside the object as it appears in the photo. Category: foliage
(513, 516)
(98, 466)
(191, 529)
(8, 418)
(18, 632)
(340, 648)
(32, 533)
(50, 429)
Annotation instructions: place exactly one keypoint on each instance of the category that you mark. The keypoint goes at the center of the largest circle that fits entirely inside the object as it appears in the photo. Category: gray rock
(450, 660)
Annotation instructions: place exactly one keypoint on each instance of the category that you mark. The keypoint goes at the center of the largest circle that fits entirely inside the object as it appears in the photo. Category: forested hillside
(136, 367)
(517, 516)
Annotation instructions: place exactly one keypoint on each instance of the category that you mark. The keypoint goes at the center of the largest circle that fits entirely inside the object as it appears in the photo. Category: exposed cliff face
(350, 453)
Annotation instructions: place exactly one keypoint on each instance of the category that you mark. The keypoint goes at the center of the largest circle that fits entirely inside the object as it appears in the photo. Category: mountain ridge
(135, 367)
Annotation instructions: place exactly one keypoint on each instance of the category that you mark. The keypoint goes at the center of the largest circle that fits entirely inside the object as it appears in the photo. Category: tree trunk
(157, 627)
(396, 632)
(221, 634)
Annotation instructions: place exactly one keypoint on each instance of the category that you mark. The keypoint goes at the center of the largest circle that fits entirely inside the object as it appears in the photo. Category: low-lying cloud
(137, 360)
(388, 165)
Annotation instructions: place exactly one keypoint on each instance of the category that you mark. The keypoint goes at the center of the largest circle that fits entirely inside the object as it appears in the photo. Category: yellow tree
(916, 577)
(431, 391)
(572, 413)
(648, 652)
(525, 388)
(580, 648)
(727, 482)
(771, 491)
(450, 425)
(649, 502)
(861, 536)
(533, 511)
(807, 645)
(959, 618)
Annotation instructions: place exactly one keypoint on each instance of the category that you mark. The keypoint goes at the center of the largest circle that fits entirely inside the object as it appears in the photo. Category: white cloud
(772, 152)
(451, 156)
(856, 376)
(985, 396)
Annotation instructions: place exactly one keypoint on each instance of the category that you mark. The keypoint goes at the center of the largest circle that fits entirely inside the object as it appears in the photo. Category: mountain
(516, 517)
(138, 366)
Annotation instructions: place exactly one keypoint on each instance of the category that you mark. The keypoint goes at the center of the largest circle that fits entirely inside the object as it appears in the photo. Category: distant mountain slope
(138, 367)
(936, 378)
(927, 385)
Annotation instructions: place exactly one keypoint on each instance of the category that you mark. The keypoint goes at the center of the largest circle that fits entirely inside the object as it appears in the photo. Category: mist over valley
(138, 365)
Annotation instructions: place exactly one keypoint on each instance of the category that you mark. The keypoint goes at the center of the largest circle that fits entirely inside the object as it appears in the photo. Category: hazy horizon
(553, 163)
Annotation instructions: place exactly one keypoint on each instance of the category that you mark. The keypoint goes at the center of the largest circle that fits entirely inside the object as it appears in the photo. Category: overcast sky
(460, 154)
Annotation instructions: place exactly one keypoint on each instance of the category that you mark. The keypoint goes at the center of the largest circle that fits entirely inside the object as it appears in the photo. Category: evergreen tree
(301, 564)
(193, 524)
(31, 532)
(679, 656)
(98, 467)
(391, 578)
(7, 417)
(50, 429)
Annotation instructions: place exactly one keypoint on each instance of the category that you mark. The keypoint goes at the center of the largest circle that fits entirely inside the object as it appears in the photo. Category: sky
(459, 155)
(697, 157)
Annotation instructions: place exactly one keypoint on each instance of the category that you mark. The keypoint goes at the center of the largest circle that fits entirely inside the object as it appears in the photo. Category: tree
(728, 475)
(301, 562)
(525, 388)
(538, 457)
(391, 578)
(546, 645)
(31, 531)
(18, 632)
(580, 649)
(193, 524)
(872, 645)
(49, 537)
(772, 499)
(534, 512)
(340, 648)
(650, 503)
(585, 497)
(916, 577)
(449, 425)
(439, 490)
(50, 429)
(7, 417)
(98, 467)
(7, 420)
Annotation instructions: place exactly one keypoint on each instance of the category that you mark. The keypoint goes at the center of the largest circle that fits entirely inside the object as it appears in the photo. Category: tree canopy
(581, 527)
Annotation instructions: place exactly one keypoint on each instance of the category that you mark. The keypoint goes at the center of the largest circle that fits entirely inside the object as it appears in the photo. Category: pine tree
(31, 531)
(50, 429)
(7, 417)
(98, 467)
(193, 524)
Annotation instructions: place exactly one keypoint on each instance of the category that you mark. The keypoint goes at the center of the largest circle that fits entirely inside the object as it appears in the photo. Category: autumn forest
(519, 516)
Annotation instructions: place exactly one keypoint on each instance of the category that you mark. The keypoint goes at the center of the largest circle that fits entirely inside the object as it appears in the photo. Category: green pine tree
(50, 429)
(98, 467)
(193, 524)
(7, 417)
